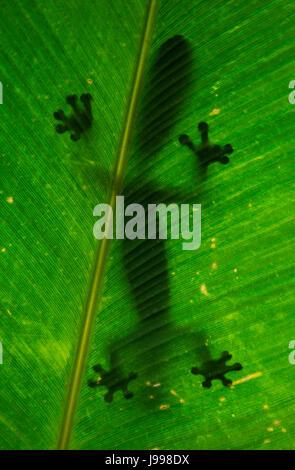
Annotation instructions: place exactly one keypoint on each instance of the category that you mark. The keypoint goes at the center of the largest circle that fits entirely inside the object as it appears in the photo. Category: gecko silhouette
(145, 261)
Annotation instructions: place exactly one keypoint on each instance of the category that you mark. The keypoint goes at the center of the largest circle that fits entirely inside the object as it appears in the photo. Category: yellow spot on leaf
(214, 112)
(204, 289)
(164, 407)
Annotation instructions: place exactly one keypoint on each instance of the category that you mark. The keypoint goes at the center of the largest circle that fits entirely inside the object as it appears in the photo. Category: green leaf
(147, 311)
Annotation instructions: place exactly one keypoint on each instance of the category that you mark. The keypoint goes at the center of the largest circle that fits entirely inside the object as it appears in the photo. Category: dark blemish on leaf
(112, 380)
(206, 152)
(216, 370)
(79, 121)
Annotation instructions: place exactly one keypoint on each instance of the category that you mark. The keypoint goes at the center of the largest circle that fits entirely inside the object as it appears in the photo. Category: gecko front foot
(206, 152)
(79, 121)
